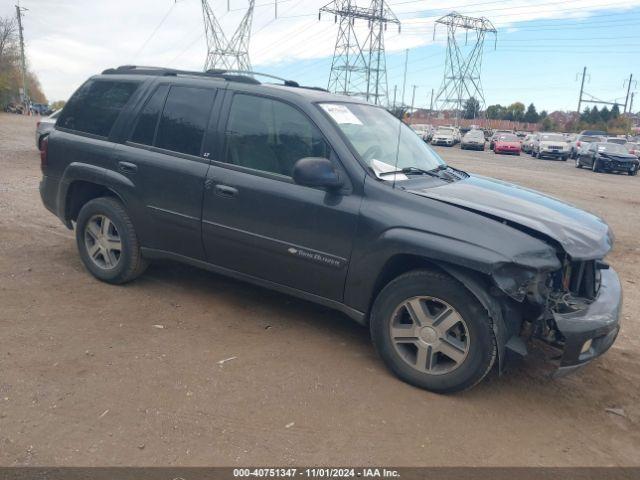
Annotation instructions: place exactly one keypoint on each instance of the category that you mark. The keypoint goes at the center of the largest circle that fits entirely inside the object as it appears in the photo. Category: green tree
(605, 114)
(543, 114)
(531, 115)
(471, 108)
(615, 111)
(495, 112)
(594, 116)
(58, 104)
(399, 111)
(516, 111)
(549, 125)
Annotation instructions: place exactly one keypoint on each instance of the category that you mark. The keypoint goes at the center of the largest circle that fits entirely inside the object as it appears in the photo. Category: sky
(541, 48)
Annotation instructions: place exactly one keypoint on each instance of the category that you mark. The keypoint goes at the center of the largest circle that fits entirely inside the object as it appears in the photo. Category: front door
(257, 221)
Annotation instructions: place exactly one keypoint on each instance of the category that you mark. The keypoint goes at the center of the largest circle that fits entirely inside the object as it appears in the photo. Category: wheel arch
(83, 182)
(477, 283)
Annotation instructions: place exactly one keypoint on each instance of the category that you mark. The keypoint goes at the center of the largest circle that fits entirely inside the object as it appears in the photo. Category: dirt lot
(88, 378)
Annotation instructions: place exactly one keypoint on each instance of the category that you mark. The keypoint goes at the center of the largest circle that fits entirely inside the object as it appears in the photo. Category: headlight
(587, 346)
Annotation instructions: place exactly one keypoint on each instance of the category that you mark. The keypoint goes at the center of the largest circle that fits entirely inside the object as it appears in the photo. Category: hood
(582, 235)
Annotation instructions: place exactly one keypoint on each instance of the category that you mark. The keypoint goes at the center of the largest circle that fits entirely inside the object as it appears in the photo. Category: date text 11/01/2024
(316, 473)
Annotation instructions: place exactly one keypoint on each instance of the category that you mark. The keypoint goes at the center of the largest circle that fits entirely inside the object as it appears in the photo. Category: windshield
(383, 142)
(508, 138)
(475, 133)
(445, 131)
(613, 148)
(552, 138)
(620, 141)
(589, 139)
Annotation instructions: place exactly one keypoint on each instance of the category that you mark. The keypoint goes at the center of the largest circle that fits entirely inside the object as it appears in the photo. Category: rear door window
(184, 119)
(96, 105)
(145, 131)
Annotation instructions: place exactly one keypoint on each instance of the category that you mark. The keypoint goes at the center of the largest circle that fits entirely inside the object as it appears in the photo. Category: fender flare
(119, 184)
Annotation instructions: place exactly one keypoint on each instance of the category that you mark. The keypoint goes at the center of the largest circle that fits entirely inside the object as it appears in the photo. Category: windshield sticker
(341, 114)
(382, 167)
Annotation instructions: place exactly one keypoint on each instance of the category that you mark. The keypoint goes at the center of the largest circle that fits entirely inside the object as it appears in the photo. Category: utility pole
(413, 97)
(626, 101)
(25, 93)
(631, 103)
(584, 74)
(395, 93)
(406, 64)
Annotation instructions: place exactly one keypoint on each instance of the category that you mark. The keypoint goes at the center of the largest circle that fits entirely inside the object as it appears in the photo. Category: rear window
(96, 105)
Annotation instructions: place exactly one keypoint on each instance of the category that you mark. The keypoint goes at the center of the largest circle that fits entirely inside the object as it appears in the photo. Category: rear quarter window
(96, 105)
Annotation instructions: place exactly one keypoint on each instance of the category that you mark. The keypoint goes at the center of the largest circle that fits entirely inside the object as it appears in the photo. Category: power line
(155, 30)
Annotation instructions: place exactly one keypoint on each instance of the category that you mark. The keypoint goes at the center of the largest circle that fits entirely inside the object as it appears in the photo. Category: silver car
(551, 145)
(473, 140)
(44, 127)
(444, 136)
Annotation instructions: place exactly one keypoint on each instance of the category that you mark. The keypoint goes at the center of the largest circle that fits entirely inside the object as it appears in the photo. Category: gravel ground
(238, 375)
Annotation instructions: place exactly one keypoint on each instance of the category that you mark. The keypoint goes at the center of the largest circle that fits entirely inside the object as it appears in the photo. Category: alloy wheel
(429, 335)
(102, 241)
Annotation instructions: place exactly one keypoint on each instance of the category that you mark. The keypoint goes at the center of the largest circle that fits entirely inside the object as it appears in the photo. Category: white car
(45, 126)
(444, 136)
(552, 145)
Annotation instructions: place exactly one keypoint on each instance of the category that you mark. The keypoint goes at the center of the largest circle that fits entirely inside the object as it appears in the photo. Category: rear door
(163, 157)
(257, 221)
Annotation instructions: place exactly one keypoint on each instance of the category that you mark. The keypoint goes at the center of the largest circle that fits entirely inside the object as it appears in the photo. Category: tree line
(11, 69)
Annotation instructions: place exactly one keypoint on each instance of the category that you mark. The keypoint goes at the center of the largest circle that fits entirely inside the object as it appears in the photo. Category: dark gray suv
(335, 201)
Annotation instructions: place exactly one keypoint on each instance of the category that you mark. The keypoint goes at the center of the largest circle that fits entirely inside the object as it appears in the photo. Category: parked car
(444, 136)
(495, 135)
(333, 200)
(633, 148)
(527, 143)
(583, 141)
(608, 157)
(473, 140)
(594, 133)
(44, 127)
(618, 140)
(551, 145)
(507, 143)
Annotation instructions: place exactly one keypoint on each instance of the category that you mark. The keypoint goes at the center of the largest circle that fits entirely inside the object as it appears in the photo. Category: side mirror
(316, 172)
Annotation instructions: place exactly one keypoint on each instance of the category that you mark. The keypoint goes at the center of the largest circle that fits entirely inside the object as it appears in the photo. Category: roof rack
(171, 72)
(228, 75)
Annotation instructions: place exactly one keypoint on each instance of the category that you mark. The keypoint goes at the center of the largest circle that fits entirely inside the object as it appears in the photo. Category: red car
(508, 143)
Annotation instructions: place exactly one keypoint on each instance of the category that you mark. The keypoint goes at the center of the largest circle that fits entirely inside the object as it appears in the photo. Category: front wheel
(107, 241)
(432, 332)
(578, 164)
(595, 166)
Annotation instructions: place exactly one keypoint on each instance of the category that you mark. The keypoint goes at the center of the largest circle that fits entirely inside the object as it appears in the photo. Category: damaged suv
(335, 201)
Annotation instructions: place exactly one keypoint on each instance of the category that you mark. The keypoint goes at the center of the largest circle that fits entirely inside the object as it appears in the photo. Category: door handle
(225, 191)
(126, 167)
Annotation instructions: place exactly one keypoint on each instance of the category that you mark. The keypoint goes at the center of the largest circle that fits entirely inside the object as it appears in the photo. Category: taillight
(578, 143)
(44, 150)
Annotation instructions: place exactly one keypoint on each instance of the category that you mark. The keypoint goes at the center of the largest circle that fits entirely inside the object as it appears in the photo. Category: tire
(107, 265)
(564, 159)
(594, 166)
(633, 173)
(474, 333)
(578, 164)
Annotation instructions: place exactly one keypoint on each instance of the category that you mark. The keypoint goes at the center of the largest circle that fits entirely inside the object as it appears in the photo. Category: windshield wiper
(413, 171)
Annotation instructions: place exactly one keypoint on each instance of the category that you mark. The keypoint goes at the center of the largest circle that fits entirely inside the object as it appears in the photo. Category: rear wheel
(595, 166)
(578, 164)
(107, 241)
(633, 171)
(432, 333)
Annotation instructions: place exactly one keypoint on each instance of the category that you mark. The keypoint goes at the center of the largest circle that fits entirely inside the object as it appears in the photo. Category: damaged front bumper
(590, 332)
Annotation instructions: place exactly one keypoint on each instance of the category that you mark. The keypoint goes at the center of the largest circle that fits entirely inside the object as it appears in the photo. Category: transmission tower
(463, 65)
(224, 54)
(359, 65)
